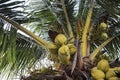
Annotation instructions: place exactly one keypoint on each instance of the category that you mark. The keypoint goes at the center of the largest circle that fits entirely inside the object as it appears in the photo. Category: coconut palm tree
(92, 26)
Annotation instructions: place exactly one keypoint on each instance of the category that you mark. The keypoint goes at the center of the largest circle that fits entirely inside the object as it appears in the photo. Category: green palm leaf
(18, 52)
(13, 10)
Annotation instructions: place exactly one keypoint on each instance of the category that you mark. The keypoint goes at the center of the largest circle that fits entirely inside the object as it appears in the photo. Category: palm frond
(14, 9)
(106, 4)
(17, 52)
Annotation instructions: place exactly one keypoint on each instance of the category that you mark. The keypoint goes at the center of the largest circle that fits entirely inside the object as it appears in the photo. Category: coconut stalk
(85, 32)
(69, 27)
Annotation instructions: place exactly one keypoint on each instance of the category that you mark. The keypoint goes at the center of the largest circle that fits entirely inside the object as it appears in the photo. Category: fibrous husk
(110, 73)
(97, 74)
(64, 54)
(60, 39)
(72, 48)
(103, 65)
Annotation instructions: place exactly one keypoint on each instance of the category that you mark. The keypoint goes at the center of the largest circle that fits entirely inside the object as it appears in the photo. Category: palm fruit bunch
(103, 71)
(60, 50)
(103, 29)
(99, 32)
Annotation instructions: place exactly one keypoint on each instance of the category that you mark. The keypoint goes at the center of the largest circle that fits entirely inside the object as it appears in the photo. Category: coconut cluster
(103, 71)
(103, 29)
(61, 50)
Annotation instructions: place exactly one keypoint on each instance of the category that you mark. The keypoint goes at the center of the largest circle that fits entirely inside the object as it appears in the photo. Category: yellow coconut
(103, 65)
(110, 73)
(97, 74)
(103, 26)
(72, 48)
(60, 39)
(64, 54)
(104, 36)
